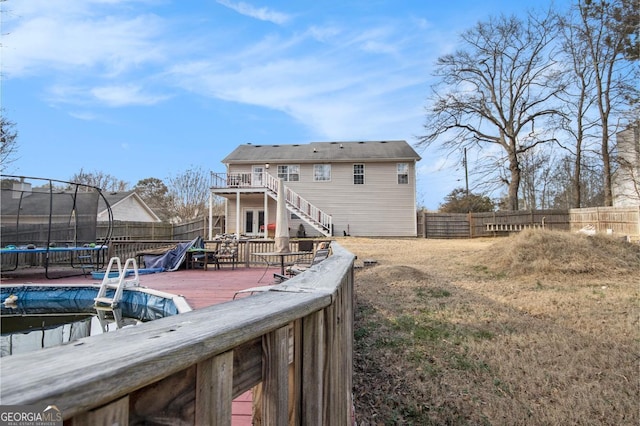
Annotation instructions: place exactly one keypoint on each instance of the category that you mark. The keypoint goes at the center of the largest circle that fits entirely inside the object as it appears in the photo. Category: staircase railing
(301, 206)
(298, 204)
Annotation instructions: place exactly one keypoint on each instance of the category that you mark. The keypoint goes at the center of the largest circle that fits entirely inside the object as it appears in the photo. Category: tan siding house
(333, 188)
(126, 206)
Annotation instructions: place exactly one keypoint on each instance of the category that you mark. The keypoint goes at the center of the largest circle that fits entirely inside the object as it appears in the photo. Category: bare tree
(104, 181)
(578, 101)
(189, 193)
(8, 142)
(494, 90)
(608, 33)
(536, 165)
(560, 191)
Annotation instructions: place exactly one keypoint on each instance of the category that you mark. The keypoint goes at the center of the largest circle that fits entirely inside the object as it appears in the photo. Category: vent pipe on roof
(19, 188)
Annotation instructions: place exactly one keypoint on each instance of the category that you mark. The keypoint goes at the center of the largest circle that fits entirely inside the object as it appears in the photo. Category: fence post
(424, 221)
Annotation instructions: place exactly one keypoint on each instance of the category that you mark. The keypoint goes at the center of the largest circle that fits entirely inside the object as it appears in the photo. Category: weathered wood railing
(125, 249)
(292, 347)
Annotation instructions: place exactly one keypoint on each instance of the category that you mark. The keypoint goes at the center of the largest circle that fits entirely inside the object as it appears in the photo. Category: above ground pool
(38, 316)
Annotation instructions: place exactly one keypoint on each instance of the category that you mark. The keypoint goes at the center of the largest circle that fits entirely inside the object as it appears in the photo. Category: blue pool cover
(33, 299)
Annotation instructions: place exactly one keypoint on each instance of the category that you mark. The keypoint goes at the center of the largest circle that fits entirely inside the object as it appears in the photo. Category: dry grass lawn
(540, 328)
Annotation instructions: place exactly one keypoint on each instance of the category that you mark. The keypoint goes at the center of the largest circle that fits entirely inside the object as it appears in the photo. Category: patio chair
(301, 265)
(228, 251)
(203, 260)
(320, 255)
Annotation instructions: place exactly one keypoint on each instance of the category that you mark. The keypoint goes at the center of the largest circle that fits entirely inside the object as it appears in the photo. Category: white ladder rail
(119, 283)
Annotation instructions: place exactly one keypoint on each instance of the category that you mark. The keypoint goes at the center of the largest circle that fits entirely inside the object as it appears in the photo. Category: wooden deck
(199, 287)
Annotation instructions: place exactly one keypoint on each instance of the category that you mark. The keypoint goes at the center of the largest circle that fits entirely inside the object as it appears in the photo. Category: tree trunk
(514, 183)
(576, 200)
(606, 163)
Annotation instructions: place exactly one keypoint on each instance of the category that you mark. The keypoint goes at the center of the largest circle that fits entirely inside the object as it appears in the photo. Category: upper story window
(358, 174)
(403, 173)
(289, 173)
(322, 172)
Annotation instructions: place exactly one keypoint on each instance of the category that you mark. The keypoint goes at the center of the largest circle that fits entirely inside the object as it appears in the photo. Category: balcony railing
(237, 180)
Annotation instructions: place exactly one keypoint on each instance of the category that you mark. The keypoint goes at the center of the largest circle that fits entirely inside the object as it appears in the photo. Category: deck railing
(292, 347)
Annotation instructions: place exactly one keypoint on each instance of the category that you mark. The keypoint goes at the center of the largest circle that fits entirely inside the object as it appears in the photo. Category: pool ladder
(119, 283)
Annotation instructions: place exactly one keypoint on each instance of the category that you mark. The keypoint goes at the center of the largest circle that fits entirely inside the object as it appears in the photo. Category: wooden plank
(116, 413)
(247, 366)
(313, 361)
(275, 380)
(168, 401)
(214, 383)
(295, 374)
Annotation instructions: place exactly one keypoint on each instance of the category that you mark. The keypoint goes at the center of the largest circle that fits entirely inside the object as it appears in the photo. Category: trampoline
(49, 222)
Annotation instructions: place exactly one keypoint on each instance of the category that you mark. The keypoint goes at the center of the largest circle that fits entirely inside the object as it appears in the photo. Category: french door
(253, 220)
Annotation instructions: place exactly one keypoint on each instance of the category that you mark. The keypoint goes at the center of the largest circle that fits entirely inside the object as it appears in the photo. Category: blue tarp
(172, 259)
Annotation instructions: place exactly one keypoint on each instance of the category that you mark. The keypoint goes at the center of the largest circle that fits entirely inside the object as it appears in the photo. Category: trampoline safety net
(49, 213)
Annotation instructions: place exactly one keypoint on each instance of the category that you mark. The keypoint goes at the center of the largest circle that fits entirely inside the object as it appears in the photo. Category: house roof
(113, 198)
(39, 203)
(324, 152)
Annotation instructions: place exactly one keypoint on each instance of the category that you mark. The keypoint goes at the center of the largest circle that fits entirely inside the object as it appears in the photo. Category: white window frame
(289, 172)
(402, 169)
(322, 172)
(361, 168)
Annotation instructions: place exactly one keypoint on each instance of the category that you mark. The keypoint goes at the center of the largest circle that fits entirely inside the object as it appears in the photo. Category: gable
(127, 206)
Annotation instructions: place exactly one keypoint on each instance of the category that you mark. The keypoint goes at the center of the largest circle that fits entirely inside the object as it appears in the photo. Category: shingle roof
(38, 203)
(324, 151)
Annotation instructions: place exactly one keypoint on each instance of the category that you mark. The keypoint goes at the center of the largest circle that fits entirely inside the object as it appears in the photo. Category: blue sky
(152, 88)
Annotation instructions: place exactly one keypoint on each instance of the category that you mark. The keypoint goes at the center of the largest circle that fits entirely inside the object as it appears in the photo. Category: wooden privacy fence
(292, 347)
(470, 225)
(162, 231)
(620, 220)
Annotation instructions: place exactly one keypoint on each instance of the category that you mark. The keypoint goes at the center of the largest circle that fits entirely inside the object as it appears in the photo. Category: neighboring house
(333, 188)
(126, 206)
(626, 179)
(35, 206)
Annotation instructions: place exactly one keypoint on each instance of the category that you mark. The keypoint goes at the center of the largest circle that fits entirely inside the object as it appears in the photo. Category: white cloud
(116, 96)
(262, 13)
(338, 79)
(348, 87)
(74, 39)
(83, 115)
(323, 33)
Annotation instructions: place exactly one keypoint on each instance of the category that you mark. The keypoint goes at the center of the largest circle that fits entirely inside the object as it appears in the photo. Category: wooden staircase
(312, 215)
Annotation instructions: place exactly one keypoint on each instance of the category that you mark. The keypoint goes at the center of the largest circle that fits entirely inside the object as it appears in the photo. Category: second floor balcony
(240, 180)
